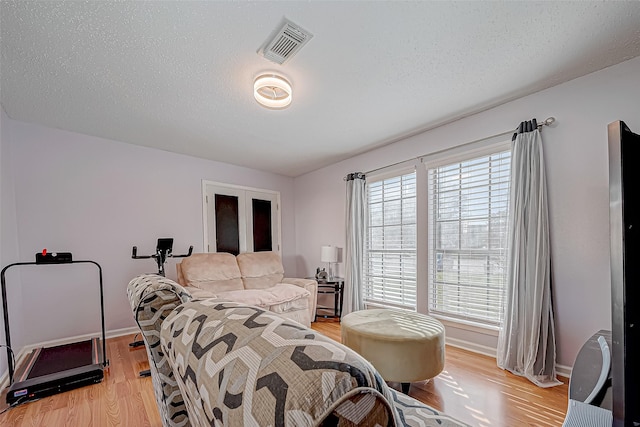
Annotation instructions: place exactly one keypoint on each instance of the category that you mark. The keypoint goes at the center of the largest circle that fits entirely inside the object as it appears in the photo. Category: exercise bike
(164, 250)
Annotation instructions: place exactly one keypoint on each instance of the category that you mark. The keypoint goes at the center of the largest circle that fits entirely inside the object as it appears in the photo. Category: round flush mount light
(272, 91)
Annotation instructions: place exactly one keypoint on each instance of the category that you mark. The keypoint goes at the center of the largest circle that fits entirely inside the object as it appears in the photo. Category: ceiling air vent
(286, 43)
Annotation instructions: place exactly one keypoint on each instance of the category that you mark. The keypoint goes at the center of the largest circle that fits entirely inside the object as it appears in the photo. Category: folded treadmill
(51, 370)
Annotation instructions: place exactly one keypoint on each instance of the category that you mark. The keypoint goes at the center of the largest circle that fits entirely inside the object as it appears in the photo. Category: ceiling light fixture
(272, 91)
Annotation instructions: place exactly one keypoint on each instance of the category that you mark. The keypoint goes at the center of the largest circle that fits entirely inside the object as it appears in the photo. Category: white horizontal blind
(390, 260)
(468, 215)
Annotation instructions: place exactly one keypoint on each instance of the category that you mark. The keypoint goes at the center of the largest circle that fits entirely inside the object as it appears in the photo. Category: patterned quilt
(238, 365)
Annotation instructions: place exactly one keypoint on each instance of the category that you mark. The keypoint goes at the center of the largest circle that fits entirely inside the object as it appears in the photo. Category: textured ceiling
(178, 76)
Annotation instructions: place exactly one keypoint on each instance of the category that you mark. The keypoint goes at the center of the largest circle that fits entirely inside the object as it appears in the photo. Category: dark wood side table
(333, 287)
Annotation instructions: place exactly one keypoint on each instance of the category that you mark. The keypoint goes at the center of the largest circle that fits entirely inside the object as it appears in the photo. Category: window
(390, 260)
(468, 215)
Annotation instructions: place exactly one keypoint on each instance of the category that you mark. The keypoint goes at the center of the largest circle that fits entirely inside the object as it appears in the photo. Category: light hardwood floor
(471, 388)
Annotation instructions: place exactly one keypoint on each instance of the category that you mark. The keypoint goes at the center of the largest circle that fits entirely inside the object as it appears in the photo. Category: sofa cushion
(277, 295)
(215, 272)
(260, 269)
(294, 309)
(289, 301)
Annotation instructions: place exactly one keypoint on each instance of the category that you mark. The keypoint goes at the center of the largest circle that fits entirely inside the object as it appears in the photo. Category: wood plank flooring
(471, 388)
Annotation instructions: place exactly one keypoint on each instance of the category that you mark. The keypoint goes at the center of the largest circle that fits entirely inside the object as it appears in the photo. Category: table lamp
(329, 255)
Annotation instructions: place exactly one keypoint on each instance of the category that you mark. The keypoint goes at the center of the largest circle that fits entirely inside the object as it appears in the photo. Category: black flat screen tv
(624, 223)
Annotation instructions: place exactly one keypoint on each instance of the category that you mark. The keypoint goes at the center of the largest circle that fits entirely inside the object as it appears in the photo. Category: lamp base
(330, 276)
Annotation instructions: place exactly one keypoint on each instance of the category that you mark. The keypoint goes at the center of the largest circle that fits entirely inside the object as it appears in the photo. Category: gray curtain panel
(526, 344)
(356, 227)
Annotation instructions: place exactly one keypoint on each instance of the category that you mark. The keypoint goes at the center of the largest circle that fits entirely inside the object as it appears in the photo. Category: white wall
(8, 243)
(577, 171)
(97, 198)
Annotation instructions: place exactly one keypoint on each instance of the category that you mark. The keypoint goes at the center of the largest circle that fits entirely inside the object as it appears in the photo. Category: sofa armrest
(152, 298)
(180, 275)
(310, 285)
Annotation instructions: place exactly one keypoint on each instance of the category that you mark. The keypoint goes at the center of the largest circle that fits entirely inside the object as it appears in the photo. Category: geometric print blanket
(239, 365)
(413, 413)
(152, 299)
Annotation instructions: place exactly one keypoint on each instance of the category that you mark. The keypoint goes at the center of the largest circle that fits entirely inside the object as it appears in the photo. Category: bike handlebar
(134, 254)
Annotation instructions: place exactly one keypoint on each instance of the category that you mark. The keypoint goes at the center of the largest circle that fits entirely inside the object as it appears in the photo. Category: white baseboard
(561, 370)
(22, 354)
(470, 346)
(124, 331)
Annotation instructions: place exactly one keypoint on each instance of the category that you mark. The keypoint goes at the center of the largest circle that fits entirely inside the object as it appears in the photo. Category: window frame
(449, 157)
(388, 173)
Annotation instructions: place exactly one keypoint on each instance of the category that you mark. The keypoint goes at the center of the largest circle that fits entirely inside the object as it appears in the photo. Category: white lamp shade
(329, 254)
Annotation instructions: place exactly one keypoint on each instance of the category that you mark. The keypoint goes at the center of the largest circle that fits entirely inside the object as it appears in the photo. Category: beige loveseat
(253, 278)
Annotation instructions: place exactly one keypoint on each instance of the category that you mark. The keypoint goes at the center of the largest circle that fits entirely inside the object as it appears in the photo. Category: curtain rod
(548, 122)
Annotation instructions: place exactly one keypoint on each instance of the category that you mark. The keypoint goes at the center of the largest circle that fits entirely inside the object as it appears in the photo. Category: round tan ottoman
(403, 346)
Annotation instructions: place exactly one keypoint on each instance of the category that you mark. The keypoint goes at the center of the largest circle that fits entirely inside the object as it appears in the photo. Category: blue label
(19, 393)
